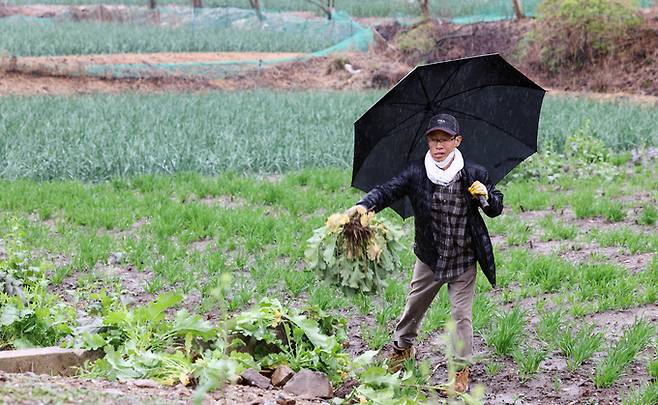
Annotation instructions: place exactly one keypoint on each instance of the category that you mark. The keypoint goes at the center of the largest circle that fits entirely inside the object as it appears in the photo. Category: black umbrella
(496, 105)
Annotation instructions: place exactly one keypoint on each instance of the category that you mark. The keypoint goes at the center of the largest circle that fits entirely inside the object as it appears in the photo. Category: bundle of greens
(354, 252)
(301, 339)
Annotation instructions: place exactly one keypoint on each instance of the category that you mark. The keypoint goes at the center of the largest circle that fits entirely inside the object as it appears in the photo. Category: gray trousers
(423, 289)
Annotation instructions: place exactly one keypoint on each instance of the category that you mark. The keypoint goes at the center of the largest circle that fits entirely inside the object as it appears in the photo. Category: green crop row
(358, 8)
(28, 38)
(183, 233)
(179, 227)
(104, 136)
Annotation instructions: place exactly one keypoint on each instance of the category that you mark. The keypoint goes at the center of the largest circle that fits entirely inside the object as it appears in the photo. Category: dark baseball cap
(443, 122)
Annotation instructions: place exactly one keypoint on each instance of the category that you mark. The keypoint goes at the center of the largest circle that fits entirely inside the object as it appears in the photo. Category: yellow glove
(360, 209)
(478, 189)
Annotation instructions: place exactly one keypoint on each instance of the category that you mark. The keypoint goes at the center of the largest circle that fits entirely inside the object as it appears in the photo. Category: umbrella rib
(477, 88)
(415, 140)
(446, 82)
(510, 159)
(411, 106)
(487, 121)
(404, 121)
(405, 103)
(427, 96)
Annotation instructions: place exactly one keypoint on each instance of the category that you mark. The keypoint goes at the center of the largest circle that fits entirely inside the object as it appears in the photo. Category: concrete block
(46, 360)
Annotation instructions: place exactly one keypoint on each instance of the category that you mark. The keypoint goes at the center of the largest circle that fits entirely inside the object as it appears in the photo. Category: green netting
(164, 30)
(173, 28)
(348, 35)
(488, 9)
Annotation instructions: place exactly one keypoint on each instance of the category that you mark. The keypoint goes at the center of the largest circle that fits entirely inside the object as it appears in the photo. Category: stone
(253, 377)
(282, 400)
(310, 384)
(46, 360)
(115, 258)
(282, 375)
(145, 383)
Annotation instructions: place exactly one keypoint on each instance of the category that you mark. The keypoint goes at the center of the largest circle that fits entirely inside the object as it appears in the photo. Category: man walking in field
(450, 237)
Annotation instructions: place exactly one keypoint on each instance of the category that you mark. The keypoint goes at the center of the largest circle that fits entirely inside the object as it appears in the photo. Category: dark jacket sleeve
(495, 207)
(386, 194)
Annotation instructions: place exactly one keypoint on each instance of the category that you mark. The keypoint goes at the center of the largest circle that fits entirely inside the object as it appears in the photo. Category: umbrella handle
(483, 201)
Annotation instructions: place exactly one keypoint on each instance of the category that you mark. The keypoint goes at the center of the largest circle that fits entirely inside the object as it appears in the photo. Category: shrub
(418, 39)
(575, 32)
(583, 154)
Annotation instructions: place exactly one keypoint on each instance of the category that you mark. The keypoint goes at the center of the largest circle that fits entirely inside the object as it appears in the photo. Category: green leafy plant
(644, 395)
(507, 332)
(493, 368)
(142, 343)
(376, 337)
(549, 328)
(648, 215)
(376, 385)
(555, 229)
(587, 155)
(287, 336)
(653, 366)
(579, 347)
(355, 253)
(528, 360)
(633, 341)
(29, 315)
(581, 153)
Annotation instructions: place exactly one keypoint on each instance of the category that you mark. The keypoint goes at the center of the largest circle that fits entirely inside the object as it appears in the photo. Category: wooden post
(328, 9)
(331, 5)
(518, 9)
(425, 8)
(255, 4)
(197, 4)
(152, 4)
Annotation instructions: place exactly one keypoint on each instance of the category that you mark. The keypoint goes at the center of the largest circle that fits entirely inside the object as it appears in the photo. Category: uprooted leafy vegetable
(301, 339)
(355, 253)
(29, 315)
(143, 343)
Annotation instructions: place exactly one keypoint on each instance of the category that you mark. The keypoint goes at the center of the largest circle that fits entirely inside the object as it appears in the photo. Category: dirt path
(52, 75)
(30, 388)
(24, 84)
(65, 75)
(153, 58)
(615, 96)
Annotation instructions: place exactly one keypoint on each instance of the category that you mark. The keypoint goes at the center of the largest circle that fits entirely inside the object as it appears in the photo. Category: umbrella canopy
(496, 105)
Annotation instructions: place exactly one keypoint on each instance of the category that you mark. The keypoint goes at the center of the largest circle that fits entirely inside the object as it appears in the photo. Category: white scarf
(440, 176)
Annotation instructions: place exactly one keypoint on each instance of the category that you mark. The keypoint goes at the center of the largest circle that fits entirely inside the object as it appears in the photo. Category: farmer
(450, 237)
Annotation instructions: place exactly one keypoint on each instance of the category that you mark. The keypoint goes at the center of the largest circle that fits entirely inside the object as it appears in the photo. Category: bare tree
(255, 4)
(518, 9)
(327, 6)
(425, 8)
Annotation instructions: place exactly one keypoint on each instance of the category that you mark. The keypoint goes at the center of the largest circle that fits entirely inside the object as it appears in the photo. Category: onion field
(49, 38)
(103, 136)
(357, 8)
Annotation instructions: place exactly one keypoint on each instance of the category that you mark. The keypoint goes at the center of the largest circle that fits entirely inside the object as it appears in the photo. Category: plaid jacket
(413, 183)
(452, 240)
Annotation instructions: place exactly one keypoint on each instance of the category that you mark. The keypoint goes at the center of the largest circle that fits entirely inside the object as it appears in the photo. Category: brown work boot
(461, 381)
(399, 356)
